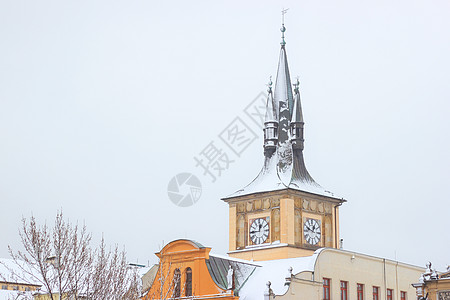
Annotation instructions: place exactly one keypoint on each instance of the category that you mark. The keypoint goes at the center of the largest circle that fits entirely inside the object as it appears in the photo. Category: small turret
(270, 124)
(297, 123)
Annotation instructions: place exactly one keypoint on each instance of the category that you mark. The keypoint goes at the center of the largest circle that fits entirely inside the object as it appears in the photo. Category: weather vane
(283, 12)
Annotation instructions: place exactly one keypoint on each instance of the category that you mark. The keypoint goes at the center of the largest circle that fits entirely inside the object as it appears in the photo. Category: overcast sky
(103, 102)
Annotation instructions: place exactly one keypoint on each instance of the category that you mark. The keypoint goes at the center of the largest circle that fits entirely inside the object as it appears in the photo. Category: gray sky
(103, 102)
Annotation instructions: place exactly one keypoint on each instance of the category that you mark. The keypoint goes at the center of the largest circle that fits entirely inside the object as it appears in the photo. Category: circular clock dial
(259, 231)
(311, 230)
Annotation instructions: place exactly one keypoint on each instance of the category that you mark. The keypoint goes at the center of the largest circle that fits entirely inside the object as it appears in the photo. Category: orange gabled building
(187, 269)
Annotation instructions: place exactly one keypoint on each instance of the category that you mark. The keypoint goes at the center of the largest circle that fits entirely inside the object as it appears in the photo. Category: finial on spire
(269, 85)
(283, 29)
(296, 85)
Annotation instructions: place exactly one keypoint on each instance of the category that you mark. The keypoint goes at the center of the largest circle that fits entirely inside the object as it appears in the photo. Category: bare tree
(168, 283)
(63, 262)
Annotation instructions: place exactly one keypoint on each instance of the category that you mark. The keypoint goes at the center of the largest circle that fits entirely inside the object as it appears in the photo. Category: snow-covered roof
(9, 295)
(269, 179)
(275, 271)
(143, 270)
(8, 269)
(218, 267)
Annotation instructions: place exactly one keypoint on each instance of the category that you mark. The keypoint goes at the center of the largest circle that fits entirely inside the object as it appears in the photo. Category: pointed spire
(283, 94)
(271, 111)
(297, 115)
(284, 165)
(270, 123)
(297, 121)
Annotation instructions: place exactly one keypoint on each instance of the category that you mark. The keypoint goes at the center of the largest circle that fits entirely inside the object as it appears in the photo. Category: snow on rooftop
(269, 180)
(313, 188)
(7, 269)
(8, 295)
(260, 185)
(250, 262)
(275, 271)
(143, 270)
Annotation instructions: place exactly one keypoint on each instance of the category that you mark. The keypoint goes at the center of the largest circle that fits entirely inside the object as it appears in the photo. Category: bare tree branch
(63, 262)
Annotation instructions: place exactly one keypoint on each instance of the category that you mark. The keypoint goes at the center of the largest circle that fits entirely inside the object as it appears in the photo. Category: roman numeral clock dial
(312, 231)
(259, 231)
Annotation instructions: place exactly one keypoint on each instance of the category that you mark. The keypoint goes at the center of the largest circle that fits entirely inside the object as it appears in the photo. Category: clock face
(311, 231)
(259, 231)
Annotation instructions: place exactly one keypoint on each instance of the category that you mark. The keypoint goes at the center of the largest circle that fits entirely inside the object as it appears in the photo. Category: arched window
(188, 286)
(176, 283)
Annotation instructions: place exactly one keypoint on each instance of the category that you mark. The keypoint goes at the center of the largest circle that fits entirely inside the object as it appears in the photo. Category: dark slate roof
(218, 268)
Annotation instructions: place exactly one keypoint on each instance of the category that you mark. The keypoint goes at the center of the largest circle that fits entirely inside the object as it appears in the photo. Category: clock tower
(283, 212)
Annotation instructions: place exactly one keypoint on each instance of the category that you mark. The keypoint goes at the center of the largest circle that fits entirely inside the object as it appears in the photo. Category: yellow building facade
(432, 285)
(286, 212)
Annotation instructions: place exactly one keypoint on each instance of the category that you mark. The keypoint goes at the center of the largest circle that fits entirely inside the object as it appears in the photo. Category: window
(389, 294)
(326, 289)
(344, 289)
(4, 287)
(360, 291)
(176, 283)
(376, 291)
(15, 287)
(27, 289)
(402, 295)
(188, 291)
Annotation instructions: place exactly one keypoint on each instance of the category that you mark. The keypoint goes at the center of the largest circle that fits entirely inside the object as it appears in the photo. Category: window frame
(403, 295)
(376, 292)
(344, 290)
(326, 289)
(389, 294)
(360, 291)
(176, 293)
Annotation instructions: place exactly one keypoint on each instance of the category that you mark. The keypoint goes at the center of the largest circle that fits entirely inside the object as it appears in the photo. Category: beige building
(331, 274)
(339, 274)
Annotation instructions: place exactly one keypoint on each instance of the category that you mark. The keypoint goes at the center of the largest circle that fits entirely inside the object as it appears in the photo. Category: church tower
(283, 212)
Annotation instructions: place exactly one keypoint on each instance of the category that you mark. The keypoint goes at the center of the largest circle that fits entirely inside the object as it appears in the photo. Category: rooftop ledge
(275, 244)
